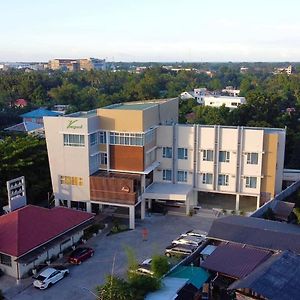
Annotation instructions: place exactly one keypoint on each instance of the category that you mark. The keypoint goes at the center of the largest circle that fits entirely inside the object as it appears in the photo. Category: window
(5, 259)
(251, 182)
(150, 136)
(224, 156)
(207, 178)
(208, 155)
(76, 140)
(102, 137)
(182, 176)
(223, 179)
(103, 158)
(71, 180)
(182, 153)
(167, 175)
(126, 138)
(93, 139)
(252, 158)
(167, 152)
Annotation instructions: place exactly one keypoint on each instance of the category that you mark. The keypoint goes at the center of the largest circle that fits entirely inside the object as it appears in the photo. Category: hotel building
(129, 154)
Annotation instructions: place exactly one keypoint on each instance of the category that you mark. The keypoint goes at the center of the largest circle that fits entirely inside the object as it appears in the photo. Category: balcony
(112, 187)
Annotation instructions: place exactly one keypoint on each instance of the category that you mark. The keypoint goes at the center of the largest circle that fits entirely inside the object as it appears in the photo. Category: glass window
(167, 152)
(252, 158)
(76, 140)
(182, 153)
(251, 182)
(224, 156)
(150, 136)
(167, 175)
(103, 158)
(71, 180)
(223, 179)
(207, 178)
(5, 259)
(182, 176)
(208, 155)
(93, 139)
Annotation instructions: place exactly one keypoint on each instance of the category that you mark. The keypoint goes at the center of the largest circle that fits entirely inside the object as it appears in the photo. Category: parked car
(80, 254)
(188, 240)
(48, 277)
(145, 268)
(194, 232)
(158, 208)
(179, 250)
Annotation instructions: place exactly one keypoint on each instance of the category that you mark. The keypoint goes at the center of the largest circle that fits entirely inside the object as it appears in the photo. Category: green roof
(196, 275)
(138, 106)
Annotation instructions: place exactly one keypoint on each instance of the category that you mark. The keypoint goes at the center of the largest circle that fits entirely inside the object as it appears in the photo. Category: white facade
(218, 101)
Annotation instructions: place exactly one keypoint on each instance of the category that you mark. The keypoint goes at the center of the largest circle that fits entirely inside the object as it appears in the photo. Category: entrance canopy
(168, 191)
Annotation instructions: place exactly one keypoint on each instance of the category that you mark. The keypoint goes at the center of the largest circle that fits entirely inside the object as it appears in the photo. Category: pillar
(89, 206)
(131, 217)
(237, 202)
(187, 205)
(69, 203)
(143, 208)
(149, 203)
(258, 202)
(143, 183)
(56, 201)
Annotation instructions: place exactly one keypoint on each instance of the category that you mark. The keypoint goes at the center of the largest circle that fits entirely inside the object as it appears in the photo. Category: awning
(168, 191)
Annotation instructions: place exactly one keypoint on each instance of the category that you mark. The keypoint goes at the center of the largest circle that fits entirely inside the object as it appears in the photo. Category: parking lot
(83, 279)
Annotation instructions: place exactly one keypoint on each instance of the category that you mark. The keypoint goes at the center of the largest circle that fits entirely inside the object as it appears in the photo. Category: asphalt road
(83, 279)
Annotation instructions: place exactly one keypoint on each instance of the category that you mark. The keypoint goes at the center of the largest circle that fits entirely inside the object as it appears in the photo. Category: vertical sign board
(16, 193)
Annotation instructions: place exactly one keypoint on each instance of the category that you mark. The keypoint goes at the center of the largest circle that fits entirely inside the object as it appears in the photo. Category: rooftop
(39, 113)
(31, 226)
(256, 232)
(235, 260)
(278, 278)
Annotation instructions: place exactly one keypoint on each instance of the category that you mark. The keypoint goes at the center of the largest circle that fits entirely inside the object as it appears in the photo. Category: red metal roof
(235, 260)
(21, 102)
(32, 226)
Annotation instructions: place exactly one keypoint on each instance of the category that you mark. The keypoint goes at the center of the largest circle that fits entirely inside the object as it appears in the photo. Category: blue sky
(150, 30)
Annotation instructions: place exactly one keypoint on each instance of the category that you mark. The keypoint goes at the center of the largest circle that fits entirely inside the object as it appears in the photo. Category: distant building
(218, 101)
(36, 116)
(288, 70)
(20, 103)
(244, 70)
(77, 64)
(231, 91)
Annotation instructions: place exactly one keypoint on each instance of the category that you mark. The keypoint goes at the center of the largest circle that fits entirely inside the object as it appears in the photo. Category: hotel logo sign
(73, 125)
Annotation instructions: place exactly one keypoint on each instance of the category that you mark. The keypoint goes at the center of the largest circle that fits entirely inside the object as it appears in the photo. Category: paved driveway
(81, 283)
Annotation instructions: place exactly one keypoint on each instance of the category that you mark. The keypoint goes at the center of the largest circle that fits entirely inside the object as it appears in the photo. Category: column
(143, 183)
(56, 202)
(143, 208)
(258, 202)
(88, 206)
(149, 203)
(187, 205)
(69, 203)
(237, 202)
(131, 217)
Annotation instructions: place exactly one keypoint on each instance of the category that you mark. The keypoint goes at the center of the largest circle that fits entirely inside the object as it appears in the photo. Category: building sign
(125, 188)
(16, 191)
(73, 125)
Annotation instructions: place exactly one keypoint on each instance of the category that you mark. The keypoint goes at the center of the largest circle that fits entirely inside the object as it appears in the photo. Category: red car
(80, 254)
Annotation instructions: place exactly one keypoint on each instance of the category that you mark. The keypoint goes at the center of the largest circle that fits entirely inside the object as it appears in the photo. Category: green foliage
(115, 288)
(132, 263)
(296, 211)
(159, 265)
(25, 155)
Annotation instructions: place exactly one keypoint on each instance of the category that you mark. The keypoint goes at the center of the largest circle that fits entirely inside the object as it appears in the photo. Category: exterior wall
(269, 165)
(217, 101)
(10, 270)
(113, 119)
(69, 160)
(126, 158)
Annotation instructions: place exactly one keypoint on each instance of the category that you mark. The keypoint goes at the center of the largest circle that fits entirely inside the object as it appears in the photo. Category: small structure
(278, 279)
(32, 235)
(36, 116)
(27, 127)
(235, 260)
(20, 103)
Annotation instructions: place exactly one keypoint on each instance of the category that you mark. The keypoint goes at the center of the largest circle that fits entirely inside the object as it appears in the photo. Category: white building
(218, 101)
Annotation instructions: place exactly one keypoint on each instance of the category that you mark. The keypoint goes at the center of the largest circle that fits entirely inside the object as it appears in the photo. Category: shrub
(160, 265)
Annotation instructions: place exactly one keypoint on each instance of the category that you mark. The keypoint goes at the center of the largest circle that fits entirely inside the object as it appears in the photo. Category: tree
(115, 288)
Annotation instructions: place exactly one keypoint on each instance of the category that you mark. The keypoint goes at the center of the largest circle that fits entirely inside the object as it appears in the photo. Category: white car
(48, 277)
(188, 240)
(198, 233)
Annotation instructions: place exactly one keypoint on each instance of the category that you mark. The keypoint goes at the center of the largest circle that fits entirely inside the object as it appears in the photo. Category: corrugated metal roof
(39, 113)
(256, 232)
(277, 279)
(235, 260)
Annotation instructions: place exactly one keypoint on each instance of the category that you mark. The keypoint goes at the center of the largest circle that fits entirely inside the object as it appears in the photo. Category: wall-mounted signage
(74, 125)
